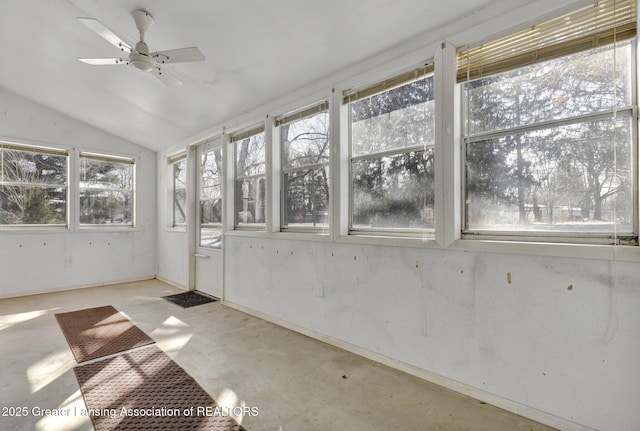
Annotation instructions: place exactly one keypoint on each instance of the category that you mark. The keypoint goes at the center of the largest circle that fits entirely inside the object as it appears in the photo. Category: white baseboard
(75, 287)
(471, 391)
(171, 283)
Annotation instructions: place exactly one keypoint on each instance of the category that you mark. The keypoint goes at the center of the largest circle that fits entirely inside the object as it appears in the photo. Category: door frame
(193, 205)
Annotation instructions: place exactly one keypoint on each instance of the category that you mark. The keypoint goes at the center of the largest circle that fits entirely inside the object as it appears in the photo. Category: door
(207, 256)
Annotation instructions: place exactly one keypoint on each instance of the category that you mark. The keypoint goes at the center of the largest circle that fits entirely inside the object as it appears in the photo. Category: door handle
(201, 255)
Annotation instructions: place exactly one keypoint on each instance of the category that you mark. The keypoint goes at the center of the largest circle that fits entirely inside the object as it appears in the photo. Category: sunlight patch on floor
(228, 399)
(48, 369)
(13, 319)
(60, 421)
(172, 336)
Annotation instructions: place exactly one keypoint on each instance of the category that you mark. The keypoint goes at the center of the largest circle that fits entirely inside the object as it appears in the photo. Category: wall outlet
(319, 289)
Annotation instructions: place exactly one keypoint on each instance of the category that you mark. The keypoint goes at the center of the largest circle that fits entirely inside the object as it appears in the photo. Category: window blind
(602, 23)
(290, 118)
(247, 134)
(349, 96)
(107, 158)
(32, 149)
(176, 157)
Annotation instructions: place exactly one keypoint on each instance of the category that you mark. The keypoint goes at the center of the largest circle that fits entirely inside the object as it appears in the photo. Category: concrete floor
(296, 383)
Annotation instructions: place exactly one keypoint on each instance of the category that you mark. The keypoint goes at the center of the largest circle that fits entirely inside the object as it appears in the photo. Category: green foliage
(37, 209)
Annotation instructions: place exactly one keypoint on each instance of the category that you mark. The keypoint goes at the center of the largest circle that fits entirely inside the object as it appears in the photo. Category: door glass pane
(210, 200)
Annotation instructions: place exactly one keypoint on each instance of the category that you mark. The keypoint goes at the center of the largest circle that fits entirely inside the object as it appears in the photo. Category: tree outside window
(250, 181)
(549, 146)
(211, 198)
(33, 186)
(179, 170)
(392, 159)
(305, 172)
(106, 190)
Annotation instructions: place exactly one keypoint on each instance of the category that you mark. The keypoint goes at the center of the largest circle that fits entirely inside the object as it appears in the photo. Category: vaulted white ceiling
(256, 51)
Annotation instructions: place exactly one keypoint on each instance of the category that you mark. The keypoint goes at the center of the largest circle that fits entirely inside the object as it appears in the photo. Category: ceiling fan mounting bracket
(143, 20)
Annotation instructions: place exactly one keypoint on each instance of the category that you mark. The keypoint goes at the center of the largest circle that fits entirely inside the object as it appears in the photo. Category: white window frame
(107, 157)
(172, 161)
(561, 237)
(37, 148)
(292, 117)
(412, 75)
(234, 139)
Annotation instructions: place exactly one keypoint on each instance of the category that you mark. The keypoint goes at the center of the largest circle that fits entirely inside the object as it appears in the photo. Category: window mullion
(478, 137)
(305, 167)
(391, 153)
(447, 186)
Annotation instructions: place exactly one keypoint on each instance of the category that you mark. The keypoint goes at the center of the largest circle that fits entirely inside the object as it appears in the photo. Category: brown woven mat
(145, 390)
(101, 331)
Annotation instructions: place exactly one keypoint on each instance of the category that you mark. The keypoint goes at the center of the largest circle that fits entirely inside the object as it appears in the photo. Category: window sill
(107, 228)
(246, 233)
(177, 229)
(321, 236)
(33, 229)
(572, 250)
(425, 241)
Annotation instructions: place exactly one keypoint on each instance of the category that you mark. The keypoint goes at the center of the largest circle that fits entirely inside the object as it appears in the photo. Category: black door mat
(189, 299)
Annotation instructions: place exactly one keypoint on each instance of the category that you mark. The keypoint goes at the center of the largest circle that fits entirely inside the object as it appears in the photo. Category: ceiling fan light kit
(139, 56)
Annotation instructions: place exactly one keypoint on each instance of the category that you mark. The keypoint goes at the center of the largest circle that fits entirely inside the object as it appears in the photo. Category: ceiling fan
(139, 56)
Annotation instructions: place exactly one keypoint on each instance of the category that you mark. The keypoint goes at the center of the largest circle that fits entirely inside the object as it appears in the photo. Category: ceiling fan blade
(180, 55)
(104, 61)
(168, 78)
(105, 33)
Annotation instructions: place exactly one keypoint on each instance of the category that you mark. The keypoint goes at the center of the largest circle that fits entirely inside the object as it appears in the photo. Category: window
(392, 154)
(179, 190)
(549, 145)
(250, 178)
(304, 142)
(106, 190)
(210, 197)
(33, 185)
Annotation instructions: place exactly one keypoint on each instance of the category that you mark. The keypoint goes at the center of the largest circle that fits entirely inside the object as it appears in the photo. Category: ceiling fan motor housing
(140, 58)
(141, 62)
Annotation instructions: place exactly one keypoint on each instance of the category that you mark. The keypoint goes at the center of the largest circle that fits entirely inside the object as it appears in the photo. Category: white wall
(173, 244)
(173, 257)
(46, 260)
(561, 338)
